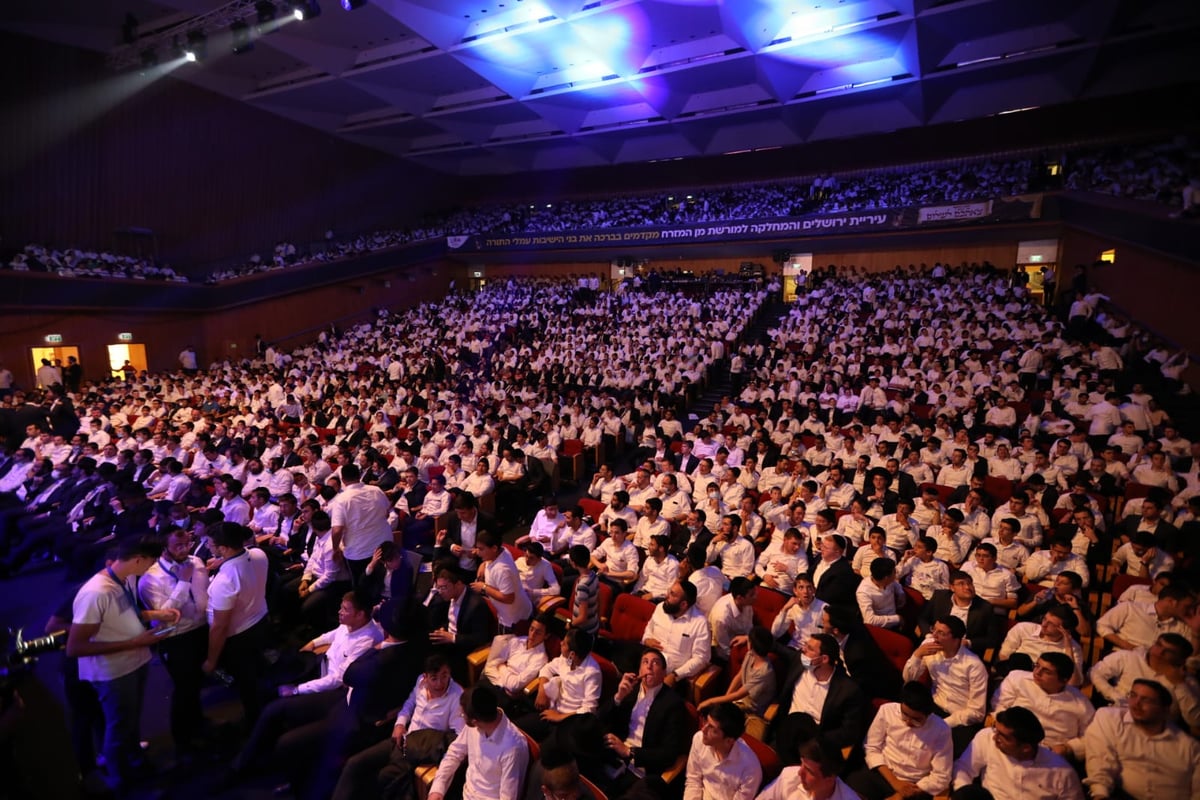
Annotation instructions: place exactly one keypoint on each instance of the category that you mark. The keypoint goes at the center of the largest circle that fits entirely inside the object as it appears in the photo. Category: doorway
(51, 354)
(118, 354)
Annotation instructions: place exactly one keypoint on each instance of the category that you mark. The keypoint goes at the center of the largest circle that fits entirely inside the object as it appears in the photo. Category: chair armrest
(534, 685)
(476, 661)
(321, 649)
(673, 772)
(771, 712)
(551, 604)
(704, 685)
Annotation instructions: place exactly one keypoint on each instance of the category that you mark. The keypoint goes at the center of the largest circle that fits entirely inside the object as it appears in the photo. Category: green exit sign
(53, 338)
(124, 337)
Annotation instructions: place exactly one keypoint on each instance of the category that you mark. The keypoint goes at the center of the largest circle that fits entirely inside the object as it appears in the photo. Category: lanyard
(129, 593)
(170, 568)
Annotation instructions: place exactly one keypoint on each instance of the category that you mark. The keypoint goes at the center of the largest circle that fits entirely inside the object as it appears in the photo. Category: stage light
(242, 43)
(197, 46)
(129, 29)
(350, 5)
(305, 9)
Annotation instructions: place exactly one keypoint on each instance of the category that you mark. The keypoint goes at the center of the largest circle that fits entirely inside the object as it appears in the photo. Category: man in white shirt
(659, 570)
(537, 574)
(720, 766)
(880, 596)
(237, 613)
(569, 689)
(514, 661)
(1027, 641)
(324, 579)
(708, 579)
(1013, 765)
(616, 558)
(501, 583)
(908, 749)
(1165, 662)
(732, 617)
(735, 552)
(310, 701)
(1138, 623)
(681, 633)
(814, 778)
(496, 753)
(360, 521)
(995, 583)
(1137, 752)
(1062, 709)
(109, 638)
(180, 580)
(958, 677)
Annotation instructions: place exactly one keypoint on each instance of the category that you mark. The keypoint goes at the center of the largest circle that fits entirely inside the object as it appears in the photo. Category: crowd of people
(1163, 172)
(912, 509)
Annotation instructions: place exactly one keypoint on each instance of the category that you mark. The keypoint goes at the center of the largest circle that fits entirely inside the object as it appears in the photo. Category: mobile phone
(165, 631)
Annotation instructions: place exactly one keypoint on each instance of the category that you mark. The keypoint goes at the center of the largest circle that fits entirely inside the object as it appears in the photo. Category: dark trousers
(242, 658)
(280, 716)
(183, 656)
(87, 718)
(121, 701)
(360, 775)
(873, 786)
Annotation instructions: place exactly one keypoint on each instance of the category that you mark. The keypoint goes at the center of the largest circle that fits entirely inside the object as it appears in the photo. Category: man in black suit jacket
(381, 680)
(983, 625)
(458, 607)
(862, 657)
(664, 735)
(818, 678)
(832, 574)
(468, 519)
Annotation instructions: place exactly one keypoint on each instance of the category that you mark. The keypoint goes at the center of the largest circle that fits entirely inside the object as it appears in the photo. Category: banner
(865, 221)
(954, 213)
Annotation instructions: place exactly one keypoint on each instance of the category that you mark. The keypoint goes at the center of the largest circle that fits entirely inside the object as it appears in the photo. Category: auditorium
(647, 399)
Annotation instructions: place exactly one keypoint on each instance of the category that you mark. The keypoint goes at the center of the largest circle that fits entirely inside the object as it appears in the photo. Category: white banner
(954, 212)
(455, 242)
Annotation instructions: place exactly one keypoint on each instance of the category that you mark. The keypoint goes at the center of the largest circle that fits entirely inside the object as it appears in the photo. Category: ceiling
(477, 87)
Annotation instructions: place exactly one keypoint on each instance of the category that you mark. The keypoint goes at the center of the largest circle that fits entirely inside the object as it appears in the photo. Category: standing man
(110, 639)
(360, 521)
(179, 580)
(237, 614)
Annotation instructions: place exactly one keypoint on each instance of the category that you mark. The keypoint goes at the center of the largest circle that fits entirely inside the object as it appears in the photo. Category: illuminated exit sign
(53, 338)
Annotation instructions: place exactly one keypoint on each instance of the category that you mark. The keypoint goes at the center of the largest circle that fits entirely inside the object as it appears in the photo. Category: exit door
(118, 354)
(55, 355)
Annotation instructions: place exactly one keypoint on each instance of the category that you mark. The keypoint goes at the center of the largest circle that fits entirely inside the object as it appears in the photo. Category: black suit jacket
(1165, 534)
(664, 737)
(838, 584)
(474, 622)
(844, 715)
(453, 535)
(983, 624)
(382, 679)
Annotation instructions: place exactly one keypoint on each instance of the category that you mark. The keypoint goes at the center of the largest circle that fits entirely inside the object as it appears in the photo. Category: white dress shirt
(1026, 638)
(1113, 677)
(363, 512)
(686, 640)
(322, 568)
(728, 621)
(788, 787)
(656, 577)
(710, 585)
(1137, 622)
(496, 764)
(572, 691)
(1064, 715)
(959, 684)
(421, 712)
(923, 755)
(879, 606)
(803, 622)
(345, 646)
(1120, 755)
(737, 557)
(710, 777)
(501, 573)
(240, 587)
(161, 588)
(512, 663)
(1046, 777)
(539, 580)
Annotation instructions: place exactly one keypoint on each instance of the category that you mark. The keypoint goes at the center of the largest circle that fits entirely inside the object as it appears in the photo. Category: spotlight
(197, 46)
(305, 9)
(242, 43)
(129, 29)
(350, 5)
